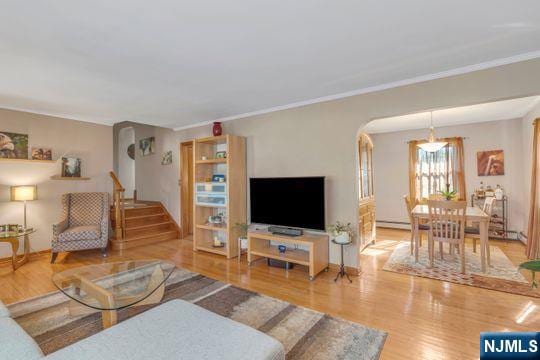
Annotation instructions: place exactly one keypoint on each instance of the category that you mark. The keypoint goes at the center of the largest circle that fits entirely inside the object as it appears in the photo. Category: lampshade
(23, 193)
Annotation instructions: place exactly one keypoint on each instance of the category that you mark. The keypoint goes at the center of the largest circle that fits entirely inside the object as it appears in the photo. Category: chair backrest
(488, 205)
(86, 208)
(447, 220)
(409, 207)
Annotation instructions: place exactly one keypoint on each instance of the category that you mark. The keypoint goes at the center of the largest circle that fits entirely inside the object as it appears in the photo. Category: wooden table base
(106, 298)
(14, 241)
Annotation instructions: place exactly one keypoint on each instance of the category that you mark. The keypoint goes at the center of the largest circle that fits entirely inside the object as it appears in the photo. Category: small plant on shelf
(343, 233)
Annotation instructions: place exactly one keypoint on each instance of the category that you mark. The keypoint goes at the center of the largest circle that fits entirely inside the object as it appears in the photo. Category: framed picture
(131, 151)
(41, 153)
(218, 178)
(13, 146)
(71, 167)
(147, 146)
(490, 163)
(221, 155)
(166, 158)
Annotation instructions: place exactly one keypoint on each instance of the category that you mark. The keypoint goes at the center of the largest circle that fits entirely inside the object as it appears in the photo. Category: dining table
(472, 213)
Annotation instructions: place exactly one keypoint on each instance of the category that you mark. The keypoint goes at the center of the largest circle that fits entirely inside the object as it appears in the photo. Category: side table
(12, 237)
(342, 273)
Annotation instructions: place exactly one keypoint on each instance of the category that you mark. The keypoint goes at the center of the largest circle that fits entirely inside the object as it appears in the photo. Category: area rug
(305, 334)
(501, 276)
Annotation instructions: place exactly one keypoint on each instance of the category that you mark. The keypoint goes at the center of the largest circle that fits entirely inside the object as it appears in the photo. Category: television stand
(315, 257)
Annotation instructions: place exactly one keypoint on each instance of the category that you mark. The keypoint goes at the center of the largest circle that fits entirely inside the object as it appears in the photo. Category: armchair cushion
(87, 208)
(85, 232)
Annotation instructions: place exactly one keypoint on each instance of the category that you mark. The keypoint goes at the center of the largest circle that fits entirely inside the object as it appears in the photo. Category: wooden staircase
(137, 223)
(145, 223)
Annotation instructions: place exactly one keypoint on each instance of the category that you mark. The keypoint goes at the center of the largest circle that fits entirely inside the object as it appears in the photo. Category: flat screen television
(294, 202)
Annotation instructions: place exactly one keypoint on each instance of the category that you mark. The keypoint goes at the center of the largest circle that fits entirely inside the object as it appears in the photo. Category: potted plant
(448, 195)
(343, 233)
(242, 239)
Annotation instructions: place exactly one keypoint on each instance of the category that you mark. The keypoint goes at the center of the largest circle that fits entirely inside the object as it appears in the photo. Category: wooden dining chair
(422, 228)
(447, 225)
(474, 231)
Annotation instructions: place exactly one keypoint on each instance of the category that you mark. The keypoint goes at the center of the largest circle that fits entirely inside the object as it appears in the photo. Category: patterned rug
(501, 276)
(305, 334)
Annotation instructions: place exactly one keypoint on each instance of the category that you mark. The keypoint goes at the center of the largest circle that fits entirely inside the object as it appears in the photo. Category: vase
(342, 238)
(217, 130)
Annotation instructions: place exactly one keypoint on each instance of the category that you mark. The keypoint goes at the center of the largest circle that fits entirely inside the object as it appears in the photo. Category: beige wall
(319, 139)
(391, 165)
(90, 142)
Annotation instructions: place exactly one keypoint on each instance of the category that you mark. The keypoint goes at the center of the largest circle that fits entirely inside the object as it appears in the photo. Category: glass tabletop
(11, 231)
(113, 286)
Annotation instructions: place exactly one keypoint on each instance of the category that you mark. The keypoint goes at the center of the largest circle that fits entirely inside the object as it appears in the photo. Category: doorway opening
(186, 188)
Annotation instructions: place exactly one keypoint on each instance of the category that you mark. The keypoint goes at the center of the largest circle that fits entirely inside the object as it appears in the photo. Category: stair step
(150, 229)
(147, 210)
(141, 220)
(134, 241)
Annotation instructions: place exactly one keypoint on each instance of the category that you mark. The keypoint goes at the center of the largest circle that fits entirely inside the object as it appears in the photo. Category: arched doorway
(366, 193)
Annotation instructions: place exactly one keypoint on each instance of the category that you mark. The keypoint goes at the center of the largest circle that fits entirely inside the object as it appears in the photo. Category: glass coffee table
(113, 286)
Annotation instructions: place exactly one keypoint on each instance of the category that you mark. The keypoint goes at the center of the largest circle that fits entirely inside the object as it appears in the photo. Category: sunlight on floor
(522, 316)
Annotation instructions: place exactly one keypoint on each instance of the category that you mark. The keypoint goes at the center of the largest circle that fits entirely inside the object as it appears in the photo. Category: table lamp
(24, 193)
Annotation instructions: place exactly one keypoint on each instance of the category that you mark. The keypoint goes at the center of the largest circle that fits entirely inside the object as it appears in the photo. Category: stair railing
(119, 209)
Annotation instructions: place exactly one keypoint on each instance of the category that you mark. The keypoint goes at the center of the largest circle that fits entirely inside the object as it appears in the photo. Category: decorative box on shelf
(211, 194)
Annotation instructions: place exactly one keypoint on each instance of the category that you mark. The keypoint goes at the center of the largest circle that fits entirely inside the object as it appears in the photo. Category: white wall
(527, 131)
(391, 165)
(126, 165)
(90, 142)
(320, 139)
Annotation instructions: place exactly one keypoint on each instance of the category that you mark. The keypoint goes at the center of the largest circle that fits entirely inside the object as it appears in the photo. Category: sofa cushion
(4, 312)
(76, 233)
(175, 330)
(15, 343)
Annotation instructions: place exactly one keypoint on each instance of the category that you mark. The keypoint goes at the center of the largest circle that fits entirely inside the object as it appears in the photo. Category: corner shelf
(212, 227)
(56, 177)
(29, 161)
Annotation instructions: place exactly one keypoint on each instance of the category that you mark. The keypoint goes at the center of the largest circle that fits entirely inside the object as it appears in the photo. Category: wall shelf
(212, 161)
(29, 161)
(57, 177)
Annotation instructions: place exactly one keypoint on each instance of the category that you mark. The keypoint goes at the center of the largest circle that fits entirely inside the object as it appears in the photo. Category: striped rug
(305, 334)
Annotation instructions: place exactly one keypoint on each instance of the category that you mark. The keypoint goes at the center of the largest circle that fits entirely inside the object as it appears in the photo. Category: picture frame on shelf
(13, 145)
(71, 167)
(41, 153)
(221, 155)
(218, 178)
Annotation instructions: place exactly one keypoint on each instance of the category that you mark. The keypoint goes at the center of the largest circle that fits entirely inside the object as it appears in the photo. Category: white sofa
(174, 330)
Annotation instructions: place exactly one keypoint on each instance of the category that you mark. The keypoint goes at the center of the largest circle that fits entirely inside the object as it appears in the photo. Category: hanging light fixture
(432, 145)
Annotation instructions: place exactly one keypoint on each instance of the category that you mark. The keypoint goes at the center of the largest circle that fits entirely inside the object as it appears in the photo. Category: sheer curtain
(533, 231)
(430, 172)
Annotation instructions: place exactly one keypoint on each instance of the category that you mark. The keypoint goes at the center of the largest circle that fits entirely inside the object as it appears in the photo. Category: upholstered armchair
(84, 224)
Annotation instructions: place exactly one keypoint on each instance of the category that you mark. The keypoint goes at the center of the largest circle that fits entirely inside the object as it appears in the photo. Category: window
(434, 171)
(430, 172)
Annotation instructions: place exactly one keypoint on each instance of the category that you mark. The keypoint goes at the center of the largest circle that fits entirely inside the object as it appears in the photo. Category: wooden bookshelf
(234, 169)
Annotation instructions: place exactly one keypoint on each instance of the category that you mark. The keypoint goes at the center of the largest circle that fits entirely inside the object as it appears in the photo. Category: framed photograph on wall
(147, 146)
(166, 158)
(490, 163)
(13, 145)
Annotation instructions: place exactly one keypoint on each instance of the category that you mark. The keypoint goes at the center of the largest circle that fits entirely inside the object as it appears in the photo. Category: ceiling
(492, 111)
(179, 63)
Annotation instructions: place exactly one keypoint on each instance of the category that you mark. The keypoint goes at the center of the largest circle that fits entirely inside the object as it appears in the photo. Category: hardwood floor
(425, 319)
